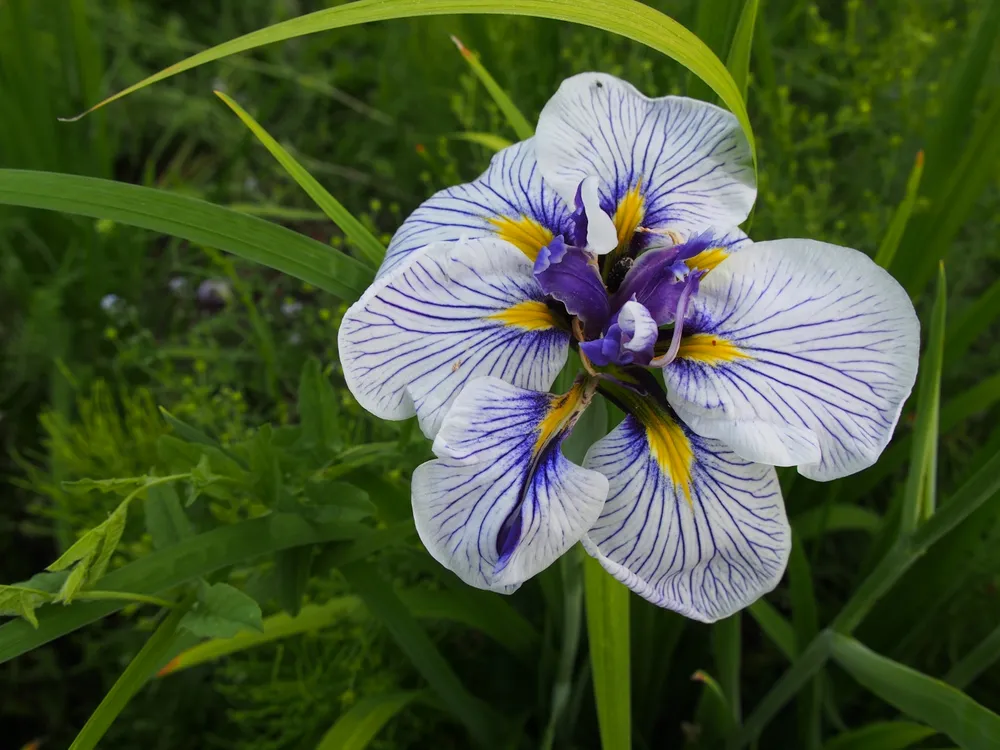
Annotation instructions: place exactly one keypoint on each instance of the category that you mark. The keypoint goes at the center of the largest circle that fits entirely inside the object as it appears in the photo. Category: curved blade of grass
(726, 650)
(890, 243)
(194, 220)
(358, 726)
(883, 735)
(836, 517)
(918, 497)
(738, 60)
(486, 140)
(515, 119)
(382, 601)
(714, 701)
(950, 711)
(627, 18)
(355, 231)
(775, 627)
(970, 176)
(972, 323)
(977, 661)
(713, 24)
(607, 605)
(138, 671)
(190, 558)
(805, 621)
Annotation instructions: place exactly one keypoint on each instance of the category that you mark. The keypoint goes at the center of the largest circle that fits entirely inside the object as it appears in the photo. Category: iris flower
(613, 232)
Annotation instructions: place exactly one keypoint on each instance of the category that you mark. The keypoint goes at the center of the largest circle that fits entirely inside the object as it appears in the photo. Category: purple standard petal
(568, 274)
(629, 340)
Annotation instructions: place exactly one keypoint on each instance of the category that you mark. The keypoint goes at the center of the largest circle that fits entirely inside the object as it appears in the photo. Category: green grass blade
(971, 175)
(805, 621)
(836, 517)
(387, 607)
(972, 323)
(486, 140)
(311, 618)
(571, 567)
(608, 633)
(918, 497)
(941, 706)
(354, 230)
(358, 726)
(190, 558)
(726, 648)
(476, 609)
(890, 243)
(139, 670)
(958, 102)
(775, 627)
(738, 60)
(194, 220)
(803, 670)
(515, 119)
(713, 24)
(977, 661)
(883, 735)
(630, 19)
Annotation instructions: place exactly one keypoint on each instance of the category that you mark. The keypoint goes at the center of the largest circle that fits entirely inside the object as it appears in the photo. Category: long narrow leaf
(890, 243)
(608, 633)
(726, 647)
(139, 670)
(358, 726)
(387, 607)
(977, 661)
(713, 24)
(191, 219)
(355, 231)
(515, 119)
(836, 517)
(738, 60)
(918, 497)
(775, 627)
(805, 620)
(972, 323)
(941, 706)
(885, 735)
(625, 17)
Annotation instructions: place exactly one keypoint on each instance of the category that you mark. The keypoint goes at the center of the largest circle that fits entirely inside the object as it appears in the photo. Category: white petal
(499, 459)
(602, 237)
(508, 200)
(636, 317)
(687, 524)
(798, 337)
(452, 313)
(689, 160)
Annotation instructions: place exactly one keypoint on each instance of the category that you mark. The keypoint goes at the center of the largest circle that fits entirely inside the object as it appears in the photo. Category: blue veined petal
(452, 313)
(799, 353)
(669, 163)
(509, 200)
(501, 502)
(688, 524)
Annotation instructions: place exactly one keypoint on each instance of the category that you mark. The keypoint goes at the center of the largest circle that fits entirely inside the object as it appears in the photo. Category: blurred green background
(101, 323)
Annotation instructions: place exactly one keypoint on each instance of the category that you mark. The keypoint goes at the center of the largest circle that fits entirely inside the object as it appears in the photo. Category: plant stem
(140, 669)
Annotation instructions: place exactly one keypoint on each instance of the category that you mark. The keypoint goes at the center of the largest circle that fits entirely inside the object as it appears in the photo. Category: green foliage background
(843, 95)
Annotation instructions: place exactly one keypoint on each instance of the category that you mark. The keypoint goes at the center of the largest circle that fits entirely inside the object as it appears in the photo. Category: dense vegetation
(126, 353)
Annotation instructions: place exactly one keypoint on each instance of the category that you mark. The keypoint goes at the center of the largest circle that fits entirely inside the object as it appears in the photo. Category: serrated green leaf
(73, 583)
(18, 601)
(359, 725)
(883, 735)
(195, 220)
(355, 231)
(950, 711)
(84, 547)
(48, 582)
(318, 410)
(336, 501)
(112, 530)
(222, 611)
(166, 521)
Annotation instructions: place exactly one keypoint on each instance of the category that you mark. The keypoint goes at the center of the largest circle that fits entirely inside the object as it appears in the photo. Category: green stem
(140, 669)
(608, 633)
